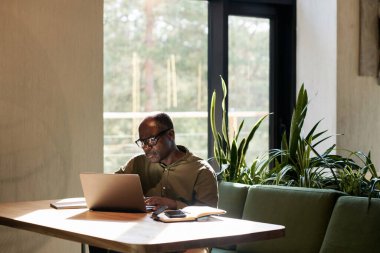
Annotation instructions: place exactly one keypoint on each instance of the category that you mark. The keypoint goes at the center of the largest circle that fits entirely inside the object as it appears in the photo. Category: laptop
(113, 192)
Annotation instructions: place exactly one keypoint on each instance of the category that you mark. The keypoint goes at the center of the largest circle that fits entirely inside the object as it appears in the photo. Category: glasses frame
(152, 140)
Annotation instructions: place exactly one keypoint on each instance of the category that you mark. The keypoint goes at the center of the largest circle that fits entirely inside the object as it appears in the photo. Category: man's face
(156, 142)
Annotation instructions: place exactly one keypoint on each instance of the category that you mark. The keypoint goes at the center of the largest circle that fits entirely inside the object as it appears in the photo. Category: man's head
(156, 137)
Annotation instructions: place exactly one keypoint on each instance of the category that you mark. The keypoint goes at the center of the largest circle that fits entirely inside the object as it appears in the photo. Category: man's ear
(171, 134)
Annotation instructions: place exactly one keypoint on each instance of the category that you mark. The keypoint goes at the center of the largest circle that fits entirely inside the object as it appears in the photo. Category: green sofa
(315, 220)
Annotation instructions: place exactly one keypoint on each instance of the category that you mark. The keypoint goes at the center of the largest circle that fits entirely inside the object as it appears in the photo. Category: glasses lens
(152, 141)
(147, 142)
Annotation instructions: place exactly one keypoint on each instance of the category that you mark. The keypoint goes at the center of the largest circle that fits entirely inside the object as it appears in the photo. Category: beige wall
(51, 124)
(316, 63)
(358, 100)
(327, 62)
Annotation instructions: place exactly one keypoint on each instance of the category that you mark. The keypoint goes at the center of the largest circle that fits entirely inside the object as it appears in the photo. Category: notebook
(188, 213)
(113, 192)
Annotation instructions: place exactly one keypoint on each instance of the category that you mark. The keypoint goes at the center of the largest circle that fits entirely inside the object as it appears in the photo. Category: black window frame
(282, 79)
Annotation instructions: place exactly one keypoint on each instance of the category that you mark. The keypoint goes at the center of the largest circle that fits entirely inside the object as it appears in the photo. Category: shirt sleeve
(206, 188)
(126, 169)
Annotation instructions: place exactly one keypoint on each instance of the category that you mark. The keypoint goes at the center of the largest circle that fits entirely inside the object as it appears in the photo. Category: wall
(358, 99)
(327, 62)
(51, 125)
(317, 64)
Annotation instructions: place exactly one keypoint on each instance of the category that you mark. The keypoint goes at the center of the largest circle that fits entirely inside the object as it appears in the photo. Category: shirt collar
(182, 149)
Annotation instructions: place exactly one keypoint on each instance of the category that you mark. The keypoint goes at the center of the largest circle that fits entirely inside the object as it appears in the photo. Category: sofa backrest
(304, 212)
(354, 226)
(232, 198)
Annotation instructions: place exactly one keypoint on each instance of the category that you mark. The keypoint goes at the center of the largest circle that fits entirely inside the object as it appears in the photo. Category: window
(155, 59)
(169, 55)
(230, 56)
(248, 72)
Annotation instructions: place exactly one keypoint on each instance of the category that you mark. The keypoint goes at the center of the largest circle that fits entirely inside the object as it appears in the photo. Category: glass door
(248, 82)
(252, 46)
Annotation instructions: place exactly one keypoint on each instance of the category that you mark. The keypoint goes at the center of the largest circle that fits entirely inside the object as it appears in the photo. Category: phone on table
(158, 211)
(175, 214)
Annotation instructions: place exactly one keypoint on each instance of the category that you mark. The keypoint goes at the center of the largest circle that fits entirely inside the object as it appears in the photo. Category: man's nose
(146, 146)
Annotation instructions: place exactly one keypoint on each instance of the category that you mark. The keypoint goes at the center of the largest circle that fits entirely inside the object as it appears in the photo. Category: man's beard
(153, 156)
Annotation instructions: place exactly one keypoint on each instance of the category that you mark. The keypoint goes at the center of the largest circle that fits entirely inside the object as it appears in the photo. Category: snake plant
(230, 151)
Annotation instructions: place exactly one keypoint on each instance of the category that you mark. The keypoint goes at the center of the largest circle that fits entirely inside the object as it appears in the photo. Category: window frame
(282, 73)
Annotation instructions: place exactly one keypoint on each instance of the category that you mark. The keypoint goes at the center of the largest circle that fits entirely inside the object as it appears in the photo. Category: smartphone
(175, 214)
(159, 210)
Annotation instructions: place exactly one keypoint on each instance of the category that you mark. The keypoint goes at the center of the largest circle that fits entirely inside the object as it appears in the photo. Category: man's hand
(161, 201)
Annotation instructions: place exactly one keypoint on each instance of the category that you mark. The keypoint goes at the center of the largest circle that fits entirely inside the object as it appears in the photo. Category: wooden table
(132, 232)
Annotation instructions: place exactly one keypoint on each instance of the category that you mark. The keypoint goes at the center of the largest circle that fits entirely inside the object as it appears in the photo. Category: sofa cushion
(304, 212)
(354, 226)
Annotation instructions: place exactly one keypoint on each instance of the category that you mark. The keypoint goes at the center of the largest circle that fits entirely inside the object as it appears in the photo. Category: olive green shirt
(190, 180)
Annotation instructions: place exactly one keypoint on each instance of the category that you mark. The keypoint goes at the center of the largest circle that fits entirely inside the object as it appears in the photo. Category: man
(170, 174)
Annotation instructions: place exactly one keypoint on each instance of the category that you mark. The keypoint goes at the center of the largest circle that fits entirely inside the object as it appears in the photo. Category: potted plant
(298, 163)
(230, 151)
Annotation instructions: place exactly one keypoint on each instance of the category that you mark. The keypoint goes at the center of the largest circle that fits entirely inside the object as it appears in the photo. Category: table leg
(83, 248)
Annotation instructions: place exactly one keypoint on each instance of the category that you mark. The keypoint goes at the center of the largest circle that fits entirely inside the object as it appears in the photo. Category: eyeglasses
(150, 141)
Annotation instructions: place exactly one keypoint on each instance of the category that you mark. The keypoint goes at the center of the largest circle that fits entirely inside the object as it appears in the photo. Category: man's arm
(206, 189)
(126, 169)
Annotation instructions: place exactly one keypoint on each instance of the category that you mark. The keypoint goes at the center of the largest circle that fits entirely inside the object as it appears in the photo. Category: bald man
(170, 174)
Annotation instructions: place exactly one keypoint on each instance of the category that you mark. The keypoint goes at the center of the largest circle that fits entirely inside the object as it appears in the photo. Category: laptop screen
(113, 192)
